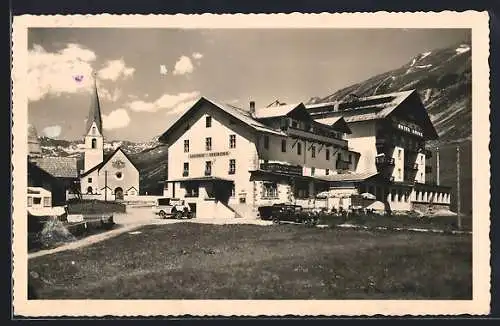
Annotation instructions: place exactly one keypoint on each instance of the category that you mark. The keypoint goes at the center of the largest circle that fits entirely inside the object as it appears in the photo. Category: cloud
(110, 96)
(52, 131)
(183, 66)
(116, 119)
(56, 73)
(182, 107)
(197, 55)
(164, 102)
(115, 69)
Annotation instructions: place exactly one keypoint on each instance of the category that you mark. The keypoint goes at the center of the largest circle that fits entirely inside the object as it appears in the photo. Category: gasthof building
(227, 161)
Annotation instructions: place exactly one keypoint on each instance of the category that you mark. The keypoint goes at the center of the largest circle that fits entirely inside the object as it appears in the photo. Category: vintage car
(172, 208)
(288, 213)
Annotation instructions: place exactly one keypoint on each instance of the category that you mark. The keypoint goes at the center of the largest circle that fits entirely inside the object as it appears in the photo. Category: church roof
(106, 160)
(95, 110)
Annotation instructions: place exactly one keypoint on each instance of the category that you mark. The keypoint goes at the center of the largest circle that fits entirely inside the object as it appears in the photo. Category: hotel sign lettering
(211, 154)
(409, 130)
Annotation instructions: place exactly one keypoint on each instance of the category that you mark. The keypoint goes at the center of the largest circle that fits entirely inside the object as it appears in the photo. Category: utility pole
(437, 166)
(459, 218)
(105, 185)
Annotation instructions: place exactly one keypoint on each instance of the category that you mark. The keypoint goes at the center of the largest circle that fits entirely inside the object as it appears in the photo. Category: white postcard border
(477, 21)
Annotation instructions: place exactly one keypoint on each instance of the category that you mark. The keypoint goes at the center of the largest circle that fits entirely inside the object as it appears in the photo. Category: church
(109, 177)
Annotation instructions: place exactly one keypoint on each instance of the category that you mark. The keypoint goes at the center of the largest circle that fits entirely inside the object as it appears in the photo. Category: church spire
(95, 109)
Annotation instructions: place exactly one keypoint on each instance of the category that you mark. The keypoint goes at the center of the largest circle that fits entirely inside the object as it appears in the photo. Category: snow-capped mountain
(443, 79)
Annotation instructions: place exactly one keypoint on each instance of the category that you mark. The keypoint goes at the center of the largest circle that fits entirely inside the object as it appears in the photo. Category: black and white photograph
(334, 166)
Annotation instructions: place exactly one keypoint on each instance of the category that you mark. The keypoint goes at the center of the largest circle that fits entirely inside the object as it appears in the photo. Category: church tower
(94, 139)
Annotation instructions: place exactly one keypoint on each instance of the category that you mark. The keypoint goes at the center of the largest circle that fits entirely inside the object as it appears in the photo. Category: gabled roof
(106, 160)
(336, 123)
(95, 111)
(59, 167)
(276, 111)
(369, 108)
(233, 111)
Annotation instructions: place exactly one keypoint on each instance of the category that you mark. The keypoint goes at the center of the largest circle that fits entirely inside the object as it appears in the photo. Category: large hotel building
(228, 161)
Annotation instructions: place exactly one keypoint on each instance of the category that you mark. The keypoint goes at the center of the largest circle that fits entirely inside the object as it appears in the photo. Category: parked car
(172, 208)
(288, 213)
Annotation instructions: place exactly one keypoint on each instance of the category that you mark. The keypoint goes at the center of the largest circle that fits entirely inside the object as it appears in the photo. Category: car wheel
(163, 214)
(178, 215)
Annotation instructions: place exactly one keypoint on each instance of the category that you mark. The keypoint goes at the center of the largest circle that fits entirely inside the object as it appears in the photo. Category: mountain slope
(443, 78)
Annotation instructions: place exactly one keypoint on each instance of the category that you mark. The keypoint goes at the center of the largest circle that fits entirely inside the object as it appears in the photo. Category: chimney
(252, 107)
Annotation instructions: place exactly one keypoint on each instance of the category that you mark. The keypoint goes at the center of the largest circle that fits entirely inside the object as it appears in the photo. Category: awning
(200, 179)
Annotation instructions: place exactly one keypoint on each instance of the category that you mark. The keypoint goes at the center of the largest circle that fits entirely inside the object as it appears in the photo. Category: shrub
(95, 207)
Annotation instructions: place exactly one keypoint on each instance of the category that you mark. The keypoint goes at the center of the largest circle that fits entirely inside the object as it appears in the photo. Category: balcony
(342, 165)
(314, 136)
(282, 168)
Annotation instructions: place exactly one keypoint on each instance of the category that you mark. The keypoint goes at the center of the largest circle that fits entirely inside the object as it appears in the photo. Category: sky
(148, 77)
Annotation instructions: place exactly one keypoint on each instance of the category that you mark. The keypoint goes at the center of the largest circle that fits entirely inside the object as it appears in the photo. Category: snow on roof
(275, 111)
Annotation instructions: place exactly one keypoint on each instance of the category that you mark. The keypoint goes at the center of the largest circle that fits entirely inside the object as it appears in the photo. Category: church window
(119, 175)
(94, 143)
(89, 190)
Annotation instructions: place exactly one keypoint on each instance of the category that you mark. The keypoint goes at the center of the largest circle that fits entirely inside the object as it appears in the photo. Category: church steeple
(95, 110)
(94, 140)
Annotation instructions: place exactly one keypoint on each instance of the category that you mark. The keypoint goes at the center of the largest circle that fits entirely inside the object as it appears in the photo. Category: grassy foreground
(202, 261)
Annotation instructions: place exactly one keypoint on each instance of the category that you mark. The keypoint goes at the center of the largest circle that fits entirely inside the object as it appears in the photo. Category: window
(93, 130)
(327, 152)
(313, 151)
(283, 145)
(46, 201)
(232, 166)
(208, 168)
(186, 146)
(192, 191)
(30, 201)
(350, 157)
(266, 142)
(270, 190)
(294, 124)
(185, 171)
(313, 171)
(89, 180)
(299, 148)
(421, 176)
(327, 172)
(233, 190)
(284, 124)
(37, 200)
(208, 143)
(208, 121)
(399, 153)
(399, 173)
(422, 159)
(89, 190)
(119, 175)
(232, 141)
(94, 143)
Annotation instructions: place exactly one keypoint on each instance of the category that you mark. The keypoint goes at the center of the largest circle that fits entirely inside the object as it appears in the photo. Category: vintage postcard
(283, 164)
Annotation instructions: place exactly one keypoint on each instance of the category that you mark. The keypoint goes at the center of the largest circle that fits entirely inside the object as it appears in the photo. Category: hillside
(443, 78)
